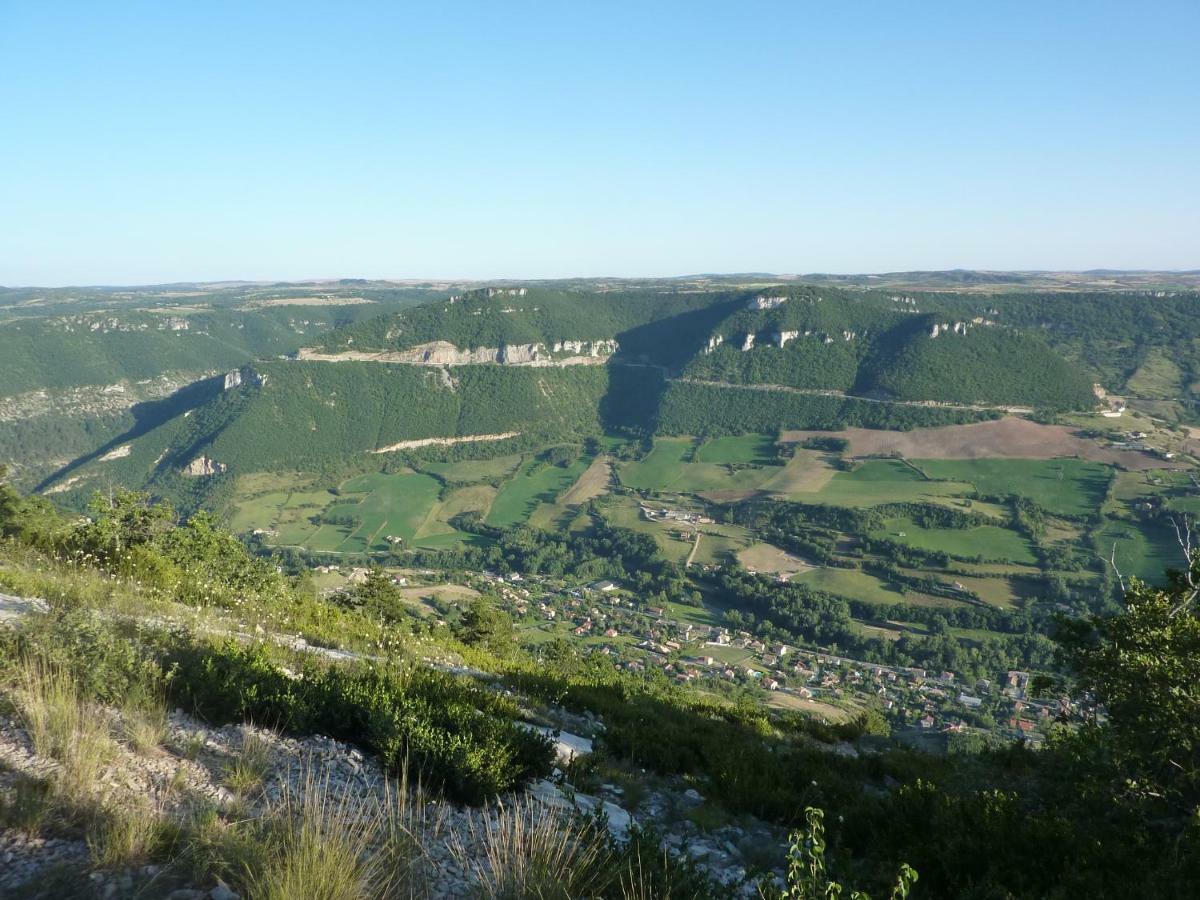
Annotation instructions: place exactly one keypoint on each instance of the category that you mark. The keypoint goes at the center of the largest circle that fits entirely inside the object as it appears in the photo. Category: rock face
(202, 465)
(782, 337)
(958, 327)
(238, 377)
(766, 302)
(443, 353)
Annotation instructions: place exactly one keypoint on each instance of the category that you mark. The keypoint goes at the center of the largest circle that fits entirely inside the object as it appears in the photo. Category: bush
(453, 734)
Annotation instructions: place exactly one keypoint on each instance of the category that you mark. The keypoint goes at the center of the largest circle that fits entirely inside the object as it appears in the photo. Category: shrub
(456, 736)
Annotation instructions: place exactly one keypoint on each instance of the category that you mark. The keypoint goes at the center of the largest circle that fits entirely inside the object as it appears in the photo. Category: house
(926, 721)
(656, 611)
(969, 702)
(603, 586)
(771, 684)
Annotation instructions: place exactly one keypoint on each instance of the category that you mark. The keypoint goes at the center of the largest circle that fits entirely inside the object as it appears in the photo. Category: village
(659, 641)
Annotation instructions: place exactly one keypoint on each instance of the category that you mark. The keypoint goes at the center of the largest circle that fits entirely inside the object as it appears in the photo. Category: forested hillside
(886, 347)
(493, 317)
(1141, 343)
(102, 348)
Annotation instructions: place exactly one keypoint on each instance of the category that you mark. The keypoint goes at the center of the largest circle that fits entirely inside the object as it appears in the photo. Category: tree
(1139, 672)
(378, 595)
(482, 625)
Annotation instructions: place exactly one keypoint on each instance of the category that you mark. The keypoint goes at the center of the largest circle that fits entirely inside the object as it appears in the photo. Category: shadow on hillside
(650, 354)
(146, 417)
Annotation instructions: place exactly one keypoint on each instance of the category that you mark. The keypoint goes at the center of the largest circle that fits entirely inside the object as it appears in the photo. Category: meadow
(851, 583)
(878, 481)
(986, 542)
(736, 465)
(1142, 550)
(745, 449)
(536, 482)
(1067, 487)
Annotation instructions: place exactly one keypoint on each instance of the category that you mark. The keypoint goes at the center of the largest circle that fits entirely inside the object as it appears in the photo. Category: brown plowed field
(1010, 437)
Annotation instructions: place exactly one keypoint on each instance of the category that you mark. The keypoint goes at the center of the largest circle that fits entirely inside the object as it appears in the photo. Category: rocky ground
(191, 772)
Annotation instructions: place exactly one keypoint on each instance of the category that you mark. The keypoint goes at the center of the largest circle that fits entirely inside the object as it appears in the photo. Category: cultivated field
(666, 468)
(1069, 487)
(986, 542)
(772, 560)
(1008, 438)
(536, 482)
(879, 481)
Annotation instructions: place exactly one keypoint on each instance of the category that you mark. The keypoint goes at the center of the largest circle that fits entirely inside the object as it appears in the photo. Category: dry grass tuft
(532, 850)
(319, 841)
(62, 725)
(144, 722)
(248, 769)
(129, 834)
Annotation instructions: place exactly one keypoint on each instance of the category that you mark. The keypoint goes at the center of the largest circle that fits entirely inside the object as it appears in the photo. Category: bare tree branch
(1112, 561)
(1184, 537)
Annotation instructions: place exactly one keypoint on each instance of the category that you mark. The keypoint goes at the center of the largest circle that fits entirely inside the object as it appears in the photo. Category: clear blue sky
(162, 141)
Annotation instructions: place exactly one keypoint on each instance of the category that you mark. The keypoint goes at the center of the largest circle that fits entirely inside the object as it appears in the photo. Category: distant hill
(544, 363)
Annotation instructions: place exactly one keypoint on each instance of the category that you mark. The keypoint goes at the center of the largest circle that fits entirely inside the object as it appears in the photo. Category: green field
(1143, 550)
(659, 469)
(395, 505)
(664, 468)
(988, 542)
(851, 583)
(879, 481)
(757, 449)
(1069, 487)
(402, 505)
(535, 482)
(468, 471)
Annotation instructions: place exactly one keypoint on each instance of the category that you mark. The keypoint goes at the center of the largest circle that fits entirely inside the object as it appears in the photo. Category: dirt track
(1010, 437)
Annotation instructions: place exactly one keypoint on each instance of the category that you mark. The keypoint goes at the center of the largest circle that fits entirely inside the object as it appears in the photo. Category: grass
(984, 541)
(1157, 376)
(660, 468)
(129, 835)
(807, 472)
(393, 505)
(879, 481)
(664, 469)
(1068, 487)
(144, 721)
(26, 805)
(536, 482)
(322, 842)
(533, 851)
(248, 769)
(1143, 550)
(468, 471)
(62, 725)
(851, 583)
(771, 559)
(745, 449)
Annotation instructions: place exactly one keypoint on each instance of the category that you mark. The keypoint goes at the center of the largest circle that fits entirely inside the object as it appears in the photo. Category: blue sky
(151, 142)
